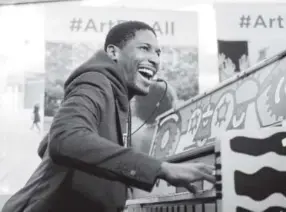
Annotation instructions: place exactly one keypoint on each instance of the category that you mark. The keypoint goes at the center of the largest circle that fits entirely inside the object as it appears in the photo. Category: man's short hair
(121, 33)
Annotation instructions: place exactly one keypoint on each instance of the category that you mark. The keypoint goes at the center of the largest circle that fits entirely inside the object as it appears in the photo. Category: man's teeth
(146, 72)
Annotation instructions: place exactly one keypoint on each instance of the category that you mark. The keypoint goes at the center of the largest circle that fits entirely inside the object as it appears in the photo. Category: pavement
(18, 151)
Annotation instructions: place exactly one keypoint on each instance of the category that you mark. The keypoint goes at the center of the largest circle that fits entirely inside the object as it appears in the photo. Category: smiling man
(85, 166)
(138, 58)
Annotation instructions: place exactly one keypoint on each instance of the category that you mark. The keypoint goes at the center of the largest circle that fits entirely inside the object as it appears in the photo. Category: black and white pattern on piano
(261, 184)
(270, 209)
(248, 145)
(234, 162)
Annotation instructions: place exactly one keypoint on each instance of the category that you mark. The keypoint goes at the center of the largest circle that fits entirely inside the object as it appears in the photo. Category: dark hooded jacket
(85, 167)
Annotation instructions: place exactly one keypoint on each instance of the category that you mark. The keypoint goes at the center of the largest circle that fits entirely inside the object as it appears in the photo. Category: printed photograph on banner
(261, 28)
(61, 59)
(233, 58)
(80, 33)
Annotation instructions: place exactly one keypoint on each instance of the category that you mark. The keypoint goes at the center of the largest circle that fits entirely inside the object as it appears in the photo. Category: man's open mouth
(146, 73)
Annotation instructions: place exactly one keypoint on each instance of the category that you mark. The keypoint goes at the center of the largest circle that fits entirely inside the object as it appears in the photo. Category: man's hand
(183, 175)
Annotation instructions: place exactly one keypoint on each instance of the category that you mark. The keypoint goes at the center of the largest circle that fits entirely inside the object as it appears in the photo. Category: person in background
(87, 165)
(36, 117)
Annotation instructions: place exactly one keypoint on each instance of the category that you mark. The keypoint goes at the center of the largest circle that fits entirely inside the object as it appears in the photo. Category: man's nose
(154, 60)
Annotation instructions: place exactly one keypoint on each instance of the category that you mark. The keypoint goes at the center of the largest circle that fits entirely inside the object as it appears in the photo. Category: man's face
(140, 60)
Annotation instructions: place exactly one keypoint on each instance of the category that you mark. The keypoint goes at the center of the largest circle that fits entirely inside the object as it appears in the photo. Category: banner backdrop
(248, 33)
(72, 36)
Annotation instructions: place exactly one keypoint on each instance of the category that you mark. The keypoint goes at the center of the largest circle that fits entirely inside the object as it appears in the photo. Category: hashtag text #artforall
(166, 28)
(271, 22)
(260, 21)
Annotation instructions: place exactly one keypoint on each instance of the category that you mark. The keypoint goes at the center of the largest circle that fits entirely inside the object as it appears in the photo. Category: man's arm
(75, 142)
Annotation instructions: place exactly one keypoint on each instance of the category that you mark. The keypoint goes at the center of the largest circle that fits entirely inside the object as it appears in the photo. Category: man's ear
(113, 52)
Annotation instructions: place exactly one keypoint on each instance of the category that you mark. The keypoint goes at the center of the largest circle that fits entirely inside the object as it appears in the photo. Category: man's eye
(145, 48)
